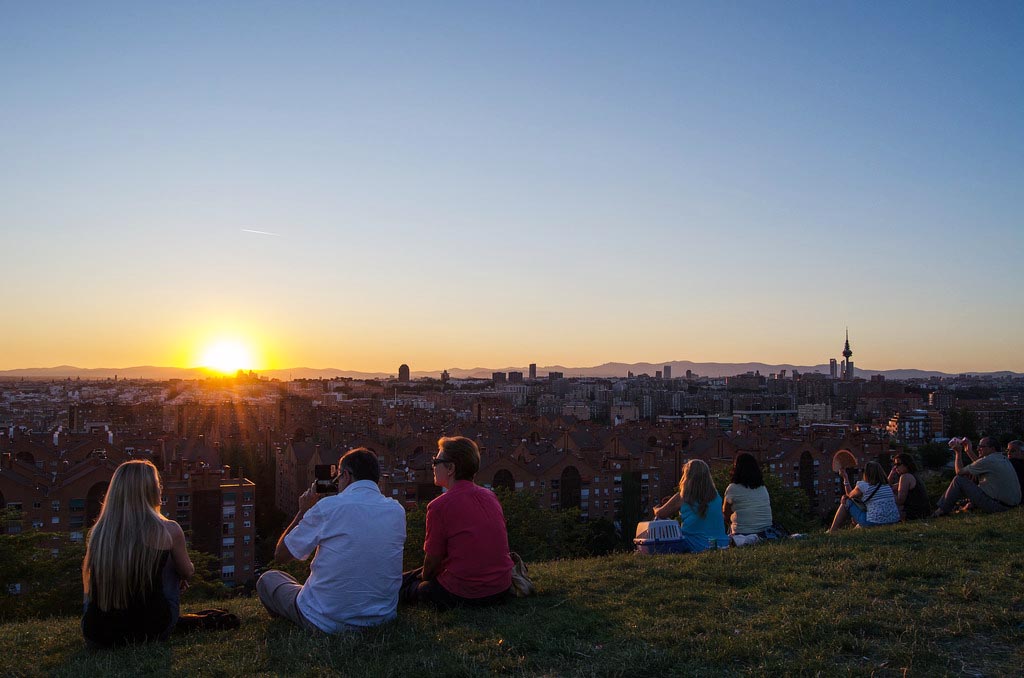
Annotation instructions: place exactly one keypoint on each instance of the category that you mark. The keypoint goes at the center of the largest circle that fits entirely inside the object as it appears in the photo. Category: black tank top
(916, 505)
(147, 616)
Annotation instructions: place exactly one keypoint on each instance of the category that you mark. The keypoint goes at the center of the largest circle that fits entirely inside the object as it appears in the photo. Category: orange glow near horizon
(227, 356)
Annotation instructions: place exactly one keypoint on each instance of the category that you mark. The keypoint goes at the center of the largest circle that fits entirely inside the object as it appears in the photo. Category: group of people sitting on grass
(989, 482)
(136, 561)
(707, 520)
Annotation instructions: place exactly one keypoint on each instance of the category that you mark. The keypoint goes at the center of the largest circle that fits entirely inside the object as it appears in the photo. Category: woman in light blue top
(700, 509)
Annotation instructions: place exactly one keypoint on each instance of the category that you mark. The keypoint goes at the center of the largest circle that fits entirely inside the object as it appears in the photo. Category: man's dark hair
(747, 472)
(361, 463)
(988, 441)
(464, 453)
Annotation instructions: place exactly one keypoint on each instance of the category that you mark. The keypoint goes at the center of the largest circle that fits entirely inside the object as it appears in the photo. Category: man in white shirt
(359, 536)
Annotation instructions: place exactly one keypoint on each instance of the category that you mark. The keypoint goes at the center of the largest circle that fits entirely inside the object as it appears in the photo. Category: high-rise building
(667, 371)
(499, 377)
(847, 363)
(533, 370)
(833, 368)
(553, 376)
(515, 377)
(403, 372)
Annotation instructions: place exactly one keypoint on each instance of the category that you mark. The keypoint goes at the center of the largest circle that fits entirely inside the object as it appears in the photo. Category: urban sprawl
(231, 448)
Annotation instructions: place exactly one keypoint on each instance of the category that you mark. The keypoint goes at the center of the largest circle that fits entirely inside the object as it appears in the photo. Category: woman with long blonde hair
(134, 562)
(700, 509)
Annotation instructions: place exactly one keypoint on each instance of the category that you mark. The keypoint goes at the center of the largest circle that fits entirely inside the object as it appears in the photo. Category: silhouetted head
(873, 473)
(361, 464)
(696, 487)
(1015, 449)
(747, 472)
(987, 446)
(463, 454)
(906, 461)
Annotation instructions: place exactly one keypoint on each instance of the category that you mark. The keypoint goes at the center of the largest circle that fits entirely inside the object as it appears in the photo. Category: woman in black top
(911, 497)
(134, 562)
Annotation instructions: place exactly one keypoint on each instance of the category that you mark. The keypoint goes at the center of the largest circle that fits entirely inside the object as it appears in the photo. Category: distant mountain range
(679, 368)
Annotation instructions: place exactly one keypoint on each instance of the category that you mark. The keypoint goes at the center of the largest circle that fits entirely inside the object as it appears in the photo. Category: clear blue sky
(502, 183)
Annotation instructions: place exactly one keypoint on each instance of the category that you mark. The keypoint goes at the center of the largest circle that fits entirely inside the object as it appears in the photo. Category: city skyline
(272, 186)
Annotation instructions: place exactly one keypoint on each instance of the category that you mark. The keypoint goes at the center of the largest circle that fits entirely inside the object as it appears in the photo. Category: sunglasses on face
(439, 460)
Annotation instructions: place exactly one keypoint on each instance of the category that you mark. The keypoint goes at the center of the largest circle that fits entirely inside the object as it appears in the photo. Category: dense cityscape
(236, 452)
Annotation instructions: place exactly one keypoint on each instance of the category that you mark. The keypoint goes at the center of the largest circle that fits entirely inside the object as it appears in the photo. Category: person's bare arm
(431, 566)
(669, 508)
(306, 501)
(179, 551)
(727, 512)
(906, 484)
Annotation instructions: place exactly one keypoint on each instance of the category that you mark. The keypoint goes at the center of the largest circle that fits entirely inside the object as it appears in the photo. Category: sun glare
(227, 357)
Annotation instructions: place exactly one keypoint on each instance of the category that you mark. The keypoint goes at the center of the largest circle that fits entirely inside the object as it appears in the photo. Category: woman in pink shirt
(465, 552)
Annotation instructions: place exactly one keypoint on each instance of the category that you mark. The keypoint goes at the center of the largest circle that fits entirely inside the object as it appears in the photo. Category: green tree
(791, 507)
(44, 568)
(963, 422)
(934, 455)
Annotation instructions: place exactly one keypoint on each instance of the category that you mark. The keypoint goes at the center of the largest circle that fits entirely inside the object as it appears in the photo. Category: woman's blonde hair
(124, 544)
(696, 487)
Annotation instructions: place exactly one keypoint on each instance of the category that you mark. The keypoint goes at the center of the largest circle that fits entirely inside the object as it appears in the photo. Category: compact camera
(326, 478)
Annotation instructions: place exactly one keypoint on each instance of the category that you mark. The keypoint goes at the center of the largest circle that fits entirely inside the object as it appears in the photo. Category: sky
(360, 185)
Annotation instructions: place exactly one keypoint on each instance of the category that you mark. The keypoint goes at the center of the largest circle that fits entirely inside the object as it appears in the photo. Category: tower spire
(846, 349)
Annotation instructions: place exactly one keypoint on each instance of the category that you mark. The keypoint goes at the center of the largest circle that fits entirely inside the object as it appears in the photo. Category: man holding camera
(358, 535)
(997, 488)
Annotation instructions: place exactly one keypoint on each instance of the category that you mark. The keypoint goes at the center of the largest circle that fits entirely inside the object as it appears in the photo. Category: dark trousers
(963, 487)
(416, 590)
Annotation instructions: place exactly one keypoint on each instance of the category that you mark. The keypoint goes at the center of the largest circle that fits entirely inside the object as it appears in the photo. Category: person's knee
(263, 583)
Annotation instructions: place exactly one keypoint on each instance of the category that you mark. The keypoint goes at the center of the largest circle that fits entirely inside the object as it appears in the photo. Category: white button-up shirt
(357, 571)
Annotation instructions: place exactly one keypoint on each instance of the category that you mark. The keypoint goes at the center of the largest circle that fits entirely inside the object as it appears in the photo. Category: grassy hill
(938, 597)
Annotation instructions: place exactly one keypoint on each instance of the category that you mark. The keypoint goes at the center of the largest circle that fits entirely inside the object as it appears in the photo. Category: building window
(55, 520)
(55, 505)
(76, 505)
(183, 500)
(37, 524)
(246, 523)
(77, 536)
(229, 498)
(228, 541)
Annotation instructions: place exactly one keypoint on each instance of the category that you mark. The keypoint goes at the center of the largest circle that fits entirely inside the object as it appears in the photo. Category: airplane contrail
(249, 230)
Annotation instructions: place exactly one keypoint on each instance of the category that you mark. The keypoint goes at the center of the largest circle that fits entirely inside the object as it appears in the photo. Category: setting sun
(227, 357)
